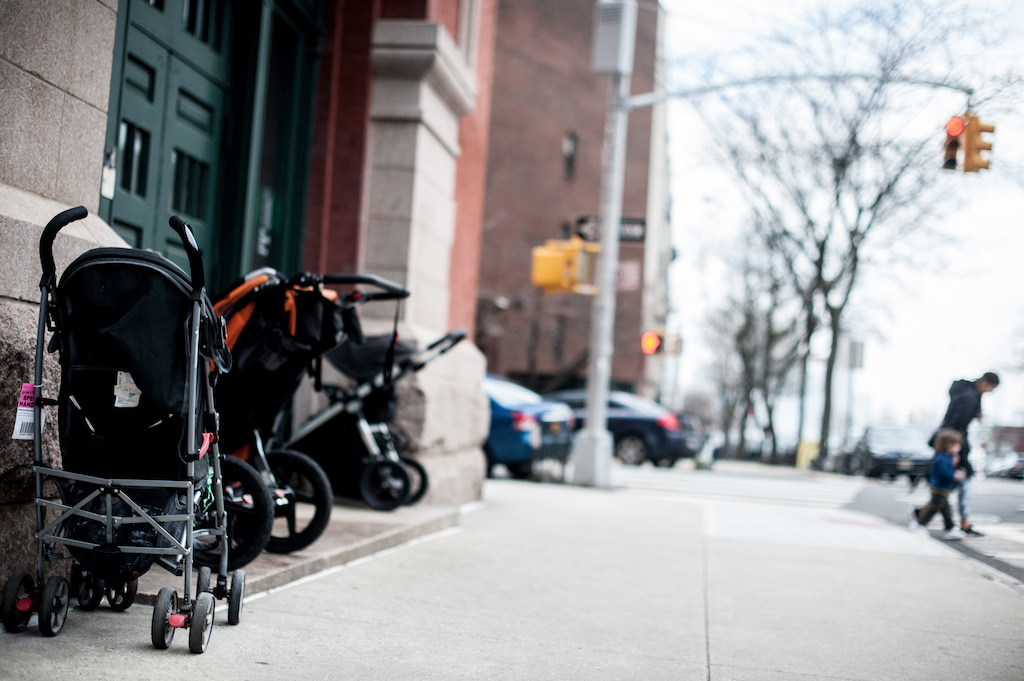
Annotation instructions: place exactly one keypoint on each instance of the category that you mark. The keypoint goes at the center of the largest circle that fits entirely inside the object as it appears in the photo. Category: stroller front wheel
(87, 588)
(53, 606)
(166, 605)
(384, 485)
(236, 596)
(202, 623)
(121, 596)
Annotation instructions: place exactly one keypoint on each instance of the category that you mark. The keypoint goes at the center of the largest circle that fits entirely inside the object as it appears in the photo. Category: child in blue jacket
(943, 478)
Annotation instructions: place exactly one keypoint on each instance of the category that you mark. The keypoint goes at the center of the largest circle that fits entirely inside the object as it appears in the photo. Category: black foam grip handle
(59, 222)
(195, 258)
(390, 290)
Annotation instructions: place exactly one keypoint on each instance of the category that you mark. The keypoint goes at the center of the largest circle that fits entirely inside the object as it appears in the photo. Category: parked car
(890, 451)
(693, 434)
(642, 429)
(525, 428)
(1006, 463)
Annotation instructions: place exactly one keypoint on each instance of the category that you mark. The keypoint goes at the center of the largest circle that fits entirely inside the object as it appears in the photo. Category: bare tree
(837, 161)
(759, 331)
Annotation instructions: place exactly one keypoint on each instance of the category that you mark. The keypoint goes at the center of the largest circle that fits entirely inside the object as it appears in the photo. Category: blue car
(524, 428)
(642, 429)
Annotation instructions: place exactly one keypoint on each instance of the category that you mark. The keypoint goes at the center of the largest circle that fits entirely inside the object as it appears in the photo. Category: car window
(636, 403)
(505, 393)
(896, 437)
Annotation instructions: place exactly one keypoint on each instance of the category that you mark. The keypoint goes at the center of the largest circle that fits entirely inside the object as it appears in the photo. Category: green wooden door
(171, 87)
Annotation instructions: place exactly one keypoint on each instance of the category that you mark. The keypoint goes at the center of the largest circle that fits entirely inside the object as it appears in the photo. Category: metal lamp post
(614, 40)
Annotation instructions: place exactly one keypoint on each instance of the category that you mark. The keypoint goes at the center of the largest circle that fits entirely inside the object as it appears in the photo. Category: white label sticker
(108, 182)
(126, 393)
(25, 419)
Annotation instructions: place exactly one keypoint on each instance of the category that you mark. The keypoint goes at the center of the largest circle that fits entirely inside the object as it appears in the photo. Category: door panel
(139, 139)
(191, 153)
(170, 124)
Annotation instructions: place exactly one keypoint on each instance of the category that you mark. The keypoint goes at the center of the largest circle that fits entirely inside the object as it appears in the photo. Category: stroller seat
(123, 318)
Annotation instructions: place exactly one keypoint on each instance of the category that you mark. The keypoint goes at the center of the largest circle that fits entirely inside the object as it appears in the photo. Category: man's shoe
(971, 532)
(953, 533)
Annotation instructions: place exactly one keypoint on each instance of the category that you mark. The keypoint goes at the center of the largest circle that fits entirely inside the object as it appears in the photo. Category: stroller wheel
(53, 606)
(202, 623)
(165, 606)
(17, 605)
(236, 596)
(384, 485)
(203, 580)
(88, 590)
(307, 491)
(250, 512)
(418, 481)
(121, 596)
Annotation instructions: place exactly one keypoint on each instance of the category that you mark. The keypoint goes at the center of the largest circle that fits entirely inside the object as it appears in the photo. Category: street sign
(630, 229)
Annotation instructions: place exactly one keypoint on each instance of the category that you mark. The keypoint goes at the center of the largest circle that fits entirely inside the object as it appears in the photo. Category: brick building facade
(330, 135)
(544, 179)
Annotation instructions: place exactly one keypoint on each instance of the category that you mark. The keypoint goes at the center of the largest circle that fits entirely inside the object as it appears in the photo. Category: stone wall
(55, 64)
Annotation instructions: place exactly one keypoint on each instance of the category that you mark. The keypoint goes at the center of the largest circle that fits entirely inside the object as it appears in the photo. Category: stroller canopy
(130, 309)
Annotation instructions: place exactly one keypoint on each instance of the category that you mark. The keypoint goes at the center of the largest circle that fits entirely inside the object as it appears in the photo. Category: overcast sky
(921, 329)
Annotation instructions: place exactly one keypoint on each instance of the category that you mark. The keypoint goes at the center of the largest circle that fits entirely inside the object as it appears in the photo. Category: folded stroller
(141, 483)
(277, 330)
(351, 438)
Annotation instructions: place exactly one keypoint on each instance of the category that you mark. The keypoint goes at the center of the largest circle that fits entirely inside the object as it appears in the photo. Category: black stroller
(141, 483)
(277, 329)
(351, 438)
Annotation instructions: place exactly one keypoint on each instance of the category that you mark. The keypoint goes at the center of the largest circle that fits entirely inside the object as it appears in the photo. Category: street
(741, 573)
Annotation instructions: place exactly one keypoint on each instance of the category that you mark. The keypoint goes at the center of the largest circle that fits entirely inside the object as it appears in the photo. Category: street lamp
(614, 39)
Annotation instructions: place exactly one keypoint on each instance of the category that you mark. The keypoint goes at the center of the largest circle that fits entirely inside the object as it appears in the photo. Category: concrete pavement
(559, 582)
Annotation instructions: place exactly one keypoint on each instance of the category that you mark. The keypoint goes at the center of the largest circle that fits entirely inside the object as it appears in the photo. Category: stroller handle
(390, 290)
(195, 258)
(59, 222)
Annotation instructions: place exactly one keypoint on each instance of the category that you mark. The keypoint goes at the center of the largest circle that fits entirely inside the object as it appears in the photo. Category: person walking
(942, 478)
(964, 407)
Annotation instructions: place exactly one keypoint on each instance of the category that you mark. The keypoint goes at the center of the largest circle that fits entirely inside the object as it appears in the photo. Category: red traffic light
(955, 126)
(650, 342)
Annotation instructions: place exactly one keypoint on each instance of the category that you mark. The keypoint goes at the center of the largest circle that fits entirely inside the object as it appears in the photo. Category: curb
(271, 571)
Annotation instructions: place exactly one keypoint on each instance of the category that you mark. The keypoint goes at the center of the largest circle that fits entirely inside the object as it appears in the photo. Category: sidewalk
(565, 583)
(354, 532)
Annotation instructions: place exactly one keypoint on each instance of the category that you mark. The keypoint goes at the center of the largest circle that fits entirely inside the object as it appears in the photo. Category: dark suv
(643, 430)
(889, 451)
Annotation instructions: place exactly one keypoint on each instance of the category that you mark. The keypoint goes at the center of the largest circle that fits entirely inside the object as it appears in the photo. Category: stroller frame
(51, 597)
(277, 466)
(385, 481)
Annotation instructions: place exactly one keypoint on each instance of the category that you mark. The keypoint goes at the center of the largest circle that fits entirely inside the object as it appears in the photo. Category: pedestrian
(942, 478)
(964, 407)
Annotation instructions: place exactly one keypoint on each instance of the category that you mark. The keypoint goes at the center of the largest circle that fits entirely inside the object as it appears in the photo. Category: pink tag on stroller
(25, 418)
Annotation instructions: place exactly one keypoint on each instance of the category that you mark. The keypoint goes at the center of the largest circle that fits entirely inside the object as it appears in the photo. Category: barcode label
(25, 417)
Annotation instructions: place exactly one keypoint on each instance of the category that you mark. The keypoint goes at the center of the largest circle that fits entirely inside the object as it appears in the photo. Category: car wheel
(520, 471)
(631, 450)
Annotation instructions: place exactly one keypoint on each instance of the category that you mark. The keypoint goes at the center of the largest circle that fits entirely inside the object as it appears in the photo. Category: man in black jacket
(964, 407)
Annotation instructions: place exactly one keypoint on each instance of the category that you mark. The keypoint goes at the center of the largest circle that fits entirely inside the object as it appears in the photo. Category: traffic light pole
(592, 450)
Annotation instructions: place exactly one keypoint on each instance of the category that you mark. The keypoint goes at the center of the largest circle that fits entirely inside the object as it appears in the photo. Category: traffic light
(974, 144)
(954, 132)
(564, 266)
(651, 342)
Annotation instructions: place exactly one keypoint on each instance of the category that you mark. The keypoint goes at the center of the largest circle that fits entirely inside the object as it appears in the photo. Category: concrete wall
(55, 64)
(423, 86)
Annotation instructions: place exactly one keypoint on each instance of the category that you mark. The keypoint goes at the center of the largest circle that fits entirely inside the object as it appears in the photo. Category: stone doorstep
(353, 533)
